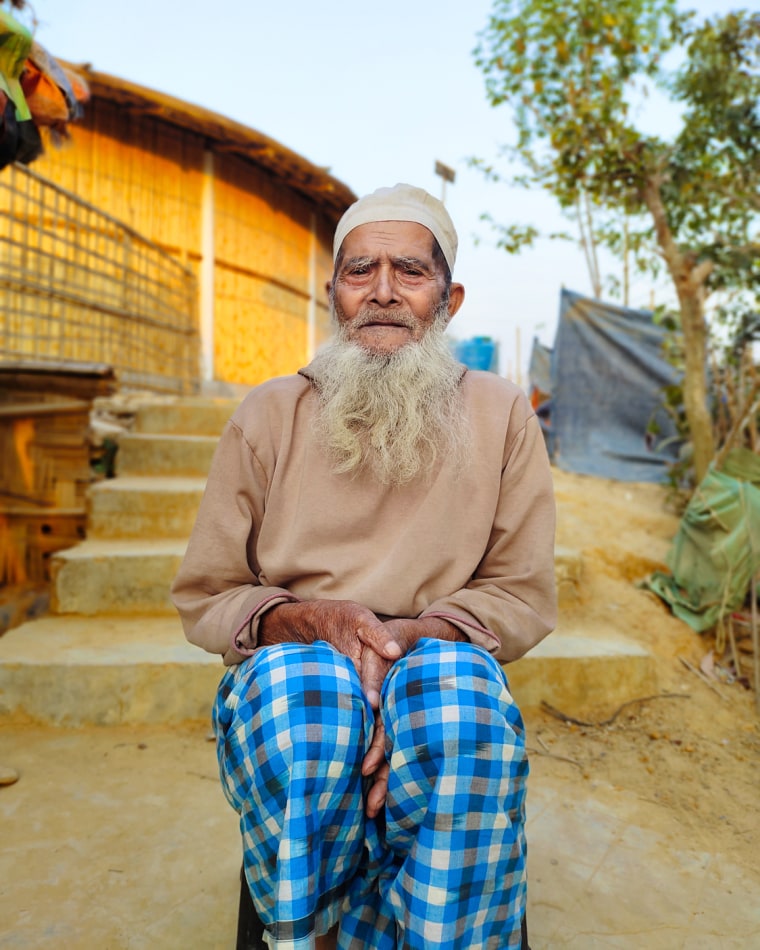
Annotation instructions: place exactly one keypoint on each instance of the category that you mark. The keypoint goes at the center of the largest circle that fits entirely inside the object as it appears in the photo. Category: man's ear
(456, 299)
(328, 287)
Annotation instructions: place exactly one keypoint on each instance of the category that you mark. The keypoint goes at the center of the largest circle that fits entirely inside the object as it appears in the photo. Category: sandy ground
(693, 754)
(683, 762)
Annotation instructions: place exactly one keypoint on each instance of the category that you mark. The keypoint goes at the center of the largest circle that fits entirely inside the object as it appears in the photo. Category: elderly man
(375, 536)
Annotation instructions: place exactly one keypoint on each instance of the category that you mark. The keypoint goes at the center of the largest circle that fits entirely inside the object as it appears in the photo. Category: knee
(451, 692)
(293, 695)
(452, 672)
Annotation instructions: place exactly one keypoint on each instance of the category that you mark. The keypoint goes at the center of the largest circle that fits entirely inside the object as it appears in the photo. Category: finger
(375, 755)
(378, 793)
(381, 639)
(373, 672)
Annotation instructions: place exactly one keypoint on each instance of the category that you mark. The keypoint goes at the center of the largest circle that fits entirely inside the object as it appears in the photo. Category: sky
(375, 93)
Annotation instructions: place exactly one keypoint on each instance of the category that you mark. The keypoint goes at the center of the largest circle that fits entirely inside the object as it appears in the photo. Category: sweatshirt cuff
(245, 637)
(476, 633)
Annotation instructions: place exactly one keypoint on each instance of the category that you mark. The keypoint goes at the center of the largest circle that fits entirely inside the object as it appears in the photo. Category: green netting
(716, 551)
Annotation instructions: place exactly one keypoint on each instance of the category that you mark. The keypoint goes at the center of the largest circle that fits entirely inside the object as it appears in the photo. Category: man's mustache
(367, 317)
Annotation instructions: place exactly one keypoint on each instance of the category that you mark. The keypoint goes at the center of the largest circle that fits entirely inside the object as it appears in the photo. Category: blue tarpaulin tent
(608, 373)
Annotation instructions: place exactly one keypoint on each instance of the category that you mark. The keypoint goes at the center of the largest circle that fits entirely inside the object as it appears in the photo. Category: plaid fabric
(445, 867)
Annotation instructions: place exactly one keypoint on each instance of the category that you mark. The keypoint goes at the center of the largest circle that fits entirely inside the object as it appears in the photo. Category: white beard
(394, 415)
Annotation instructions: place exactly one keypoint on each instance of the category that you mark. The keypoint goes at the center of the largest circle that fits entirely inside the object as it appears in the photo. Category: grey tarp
(716, 551)
(540, 367)
(608, 374)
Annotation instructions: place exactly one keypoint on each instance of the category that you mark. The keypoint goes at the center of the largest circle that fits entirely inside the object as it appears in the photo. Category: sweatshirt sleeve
(510, 603)
(217, 591)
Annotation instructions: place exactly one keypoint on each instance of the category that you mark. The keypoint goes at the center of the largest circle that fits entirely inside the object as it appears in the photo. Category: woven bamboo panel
(78, 286)
(261, 329)
(262, 276)
(145, 173)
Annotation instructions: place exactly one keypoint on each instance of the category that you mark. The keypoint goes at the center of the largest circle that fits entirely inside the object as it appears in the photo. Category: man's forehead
(389, 238)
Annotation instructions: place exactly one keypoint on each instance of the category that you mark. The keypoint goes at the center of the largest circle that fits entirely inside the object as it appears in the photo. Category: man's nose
(384, 288)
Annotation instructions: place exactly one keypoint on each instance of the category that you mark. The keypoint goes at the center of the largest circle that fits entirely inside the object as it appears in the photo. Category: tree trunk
(689, 280)
(695, 379)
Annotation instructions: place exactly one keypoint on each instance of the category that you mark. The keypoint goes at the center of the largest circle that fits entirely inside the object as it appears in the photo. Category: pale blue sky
(377, 93)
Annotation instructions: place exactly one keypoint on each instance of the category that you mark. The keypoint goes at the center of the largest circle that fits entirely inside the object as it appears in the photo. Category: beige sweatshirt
(475, 547)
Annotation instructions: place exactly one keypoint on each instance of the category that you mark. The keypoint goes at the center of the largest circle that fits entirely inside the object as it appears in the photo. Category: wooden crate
(45, 452)
(28, 536)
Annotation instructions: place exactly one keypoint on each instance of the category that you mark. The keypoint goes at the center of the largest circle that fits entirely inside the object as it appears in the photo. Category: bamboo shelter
(224, 236)
(160, 247)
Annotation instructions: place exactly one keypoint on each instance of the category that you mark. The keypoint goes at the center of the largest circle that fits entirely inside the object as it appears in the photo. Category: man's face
(388, 287)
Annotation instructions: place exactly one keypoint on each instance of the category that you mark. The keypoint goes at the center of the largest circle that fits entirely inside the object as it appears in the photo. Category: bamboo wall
(79, 287)
(149, 174)
(262, 292)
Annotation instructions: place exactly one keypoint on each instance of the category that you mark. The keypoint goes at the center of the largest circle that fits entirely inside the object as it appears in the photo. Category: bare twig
(558, 714)
(705, 679)
(722, 415)
(732, 644)
(748, 410)
(755, 638)
(543, 745)
(551, 755)
(752, 424)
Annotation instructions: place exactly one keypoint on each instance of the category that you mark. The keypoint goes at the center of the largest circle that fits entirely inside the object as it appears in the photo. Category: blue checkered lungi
(444, 864)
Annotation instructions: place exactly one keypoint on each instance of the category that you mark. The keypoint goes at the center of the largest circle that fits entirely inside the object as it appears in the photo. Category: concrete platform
(121, 839)
(118, 669)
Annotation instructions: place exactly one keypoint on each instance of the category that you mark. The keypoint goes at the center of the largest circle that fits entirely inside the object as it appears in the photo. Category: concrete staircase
(112, 649)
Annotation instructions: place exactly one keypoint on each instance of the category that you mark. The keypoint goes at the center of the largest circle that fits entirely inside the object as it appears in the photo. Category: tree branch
(751, 406)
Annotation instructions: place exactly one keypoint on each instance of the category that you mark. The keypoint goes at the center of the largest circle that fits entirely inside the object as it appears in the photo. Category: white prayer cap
(401, 203)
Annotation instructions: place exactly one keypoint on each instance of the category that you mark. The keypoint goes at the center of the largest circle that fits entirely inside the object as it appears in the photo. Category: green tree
(572, 75)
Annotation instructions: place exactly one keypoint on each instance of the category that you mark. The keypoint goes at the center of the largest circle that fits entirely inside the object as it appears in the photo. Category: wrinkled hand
(346, 625)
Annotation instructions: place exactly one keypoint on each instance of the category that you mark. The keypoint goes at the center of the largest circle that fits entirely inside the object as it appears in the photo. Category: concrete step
(187, 456)
(114, 669)
(188, 416)
(573, 670)
(132, 571)
(143, 507)
(72, 671)
(115, 577)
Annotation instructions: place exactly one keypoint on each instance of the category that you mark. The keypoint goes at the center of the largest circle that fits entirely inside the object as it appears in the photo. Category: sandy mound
(694, 751)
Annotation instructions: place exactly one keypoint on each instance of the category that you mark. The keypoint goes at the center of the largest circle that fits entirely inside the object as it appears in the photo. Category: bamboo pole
(755, 638)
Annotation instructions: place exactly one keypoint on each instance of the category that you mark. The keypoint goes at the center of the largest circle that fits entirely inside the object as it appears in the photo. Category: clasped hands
(371, 644)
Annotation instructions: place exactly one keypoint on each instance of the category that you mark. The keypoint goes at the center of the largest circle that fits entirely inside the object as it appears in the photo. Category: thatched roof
(226, 135)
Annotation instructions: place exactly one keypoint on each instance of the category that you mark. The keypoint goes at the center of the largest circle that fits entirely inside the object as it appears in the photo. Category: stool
(250, 930)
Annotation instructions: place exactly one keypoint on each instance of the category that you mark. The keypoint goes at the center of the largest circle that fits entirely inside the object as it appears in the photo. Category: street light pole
(447, 174)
